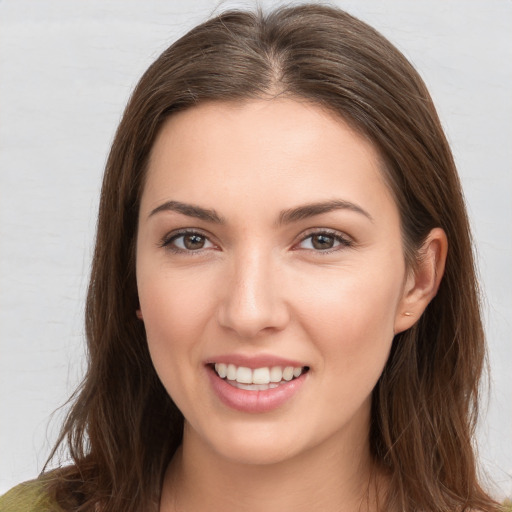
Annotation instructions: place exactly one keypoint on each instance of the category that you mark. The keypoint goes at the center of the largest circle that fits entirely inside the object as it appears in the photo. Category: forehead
(262, 149)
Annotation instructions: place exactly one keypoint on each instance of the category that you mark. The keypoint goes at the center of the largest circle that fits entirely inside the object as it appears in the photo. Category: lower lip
(254, 401)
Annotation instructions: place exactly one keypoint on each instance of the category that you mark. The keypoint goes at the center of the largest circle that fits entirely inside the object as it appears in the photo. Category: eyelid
(343, 239)
(166, 241)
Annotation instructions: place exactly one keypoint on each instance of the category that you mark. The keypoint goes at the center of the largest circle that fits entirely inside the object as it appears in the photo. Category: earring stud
(408, 313)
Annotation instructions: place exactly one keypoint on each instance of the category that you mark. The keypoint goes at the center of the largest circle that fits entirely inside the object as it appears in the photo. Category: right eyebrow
(312, 209)
(190, 210)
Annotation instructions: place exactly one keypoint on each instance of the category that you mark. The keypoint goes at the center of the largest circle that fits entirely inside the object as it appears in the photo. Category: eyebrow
(285, 217)
(312, 209)
(190, 210)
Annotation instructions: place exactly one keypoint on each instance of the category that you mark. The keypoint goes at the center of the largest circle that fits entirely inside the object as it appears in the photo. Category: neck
(329, 477)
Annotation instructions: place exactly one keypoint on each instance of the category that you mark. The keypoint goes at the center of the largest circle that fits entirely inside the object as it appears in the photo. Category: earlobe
(138, 312)
(423, 281)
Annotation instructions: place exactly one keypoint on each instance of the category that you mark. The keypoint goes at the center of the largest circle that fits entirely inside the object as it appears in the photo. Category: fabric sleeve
(28, 497)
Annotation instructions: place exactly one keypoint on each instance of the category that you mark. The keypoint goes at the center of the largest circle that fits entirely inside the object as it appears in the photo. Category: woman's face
(268, 245)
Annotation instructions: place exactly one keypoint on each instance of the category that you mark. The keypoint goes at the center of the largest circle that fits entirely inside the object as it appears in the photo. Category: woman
(283, 311)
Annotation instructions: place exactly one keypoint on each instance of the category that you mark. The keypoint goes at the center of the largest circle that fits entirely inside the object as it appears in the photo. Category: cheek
(351, 318)
(353, 300)
(175, 305)
(177, 308)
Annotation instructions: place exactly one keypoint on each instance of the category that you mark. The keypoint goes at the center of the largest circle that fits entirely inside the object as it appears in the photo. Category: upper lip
(254, 361)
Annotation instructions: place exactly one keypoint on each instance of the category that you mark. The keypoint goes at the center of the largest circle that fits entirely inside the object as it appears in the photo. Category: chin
(250, 453)
(255, 444)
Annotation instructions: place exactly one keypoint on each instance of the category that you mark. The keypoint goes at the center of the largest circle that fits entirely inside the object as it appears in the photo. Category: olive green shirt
(28, 497)
(31, 497)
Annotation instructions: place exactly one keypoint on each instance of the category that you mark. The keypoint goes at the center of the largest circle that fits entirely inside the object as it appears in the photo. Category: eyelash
(343, 241)
(167, 241)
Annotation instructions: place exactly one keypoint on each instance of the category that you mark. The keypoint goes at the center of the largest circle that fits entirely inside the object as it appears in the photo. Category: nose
(252, 299)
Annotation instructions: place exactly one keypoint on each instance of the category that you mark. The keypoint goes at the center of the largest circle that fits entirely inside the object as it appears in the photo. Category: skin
(252, 285)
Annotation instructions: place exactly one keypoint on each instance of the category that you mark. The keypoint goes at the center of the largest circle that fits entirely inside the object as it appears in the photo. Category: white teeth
(244, 375)
(248, 387)
(288, 373)
(253, 387)
(276, 374)
(231, 372)
(259, 378)
(221, 369)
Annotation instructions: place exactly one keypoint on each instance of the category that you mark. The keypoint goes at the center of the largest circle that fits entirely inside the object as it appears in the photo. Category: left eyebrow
(190, 210)
(312, 209)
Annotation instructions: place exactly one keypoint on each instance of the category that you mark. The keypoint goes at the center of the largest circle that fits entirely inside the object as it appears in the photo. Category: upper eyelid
(345, 241)
(187, 231)
(326, 231)
(167, 238)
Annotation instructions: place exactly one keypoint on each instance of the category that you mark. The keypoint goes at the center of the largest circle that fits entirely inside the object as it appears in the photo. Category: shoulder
(28, 497)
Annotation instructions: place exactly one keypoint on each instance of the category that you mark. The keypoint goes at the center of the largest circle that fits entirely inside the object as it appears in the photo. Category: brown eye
(322, 241)
(325, 242)
(187, 242)
(193, 242)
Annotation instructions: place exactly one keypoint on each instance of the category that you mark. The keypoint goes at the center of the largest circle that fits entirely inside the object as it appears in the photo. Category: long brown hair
(123, 428)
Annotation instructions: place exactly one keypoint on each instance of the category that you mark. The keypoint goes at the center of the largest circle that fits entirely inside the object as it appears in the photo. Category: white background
(66, 70)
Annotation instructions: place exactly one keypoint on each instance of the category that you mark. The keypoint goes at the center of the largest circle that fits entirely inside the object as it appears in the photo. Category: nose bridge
(253, 299)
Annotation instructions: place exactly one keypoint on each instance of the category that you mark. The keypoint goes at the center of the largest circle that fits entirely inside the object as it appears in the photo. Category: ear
(423, 281)
(138, 312)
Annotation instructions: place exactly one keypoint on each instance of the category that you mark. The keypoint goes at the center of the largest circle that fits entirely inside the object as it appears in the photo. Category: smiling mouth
(257, 379)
